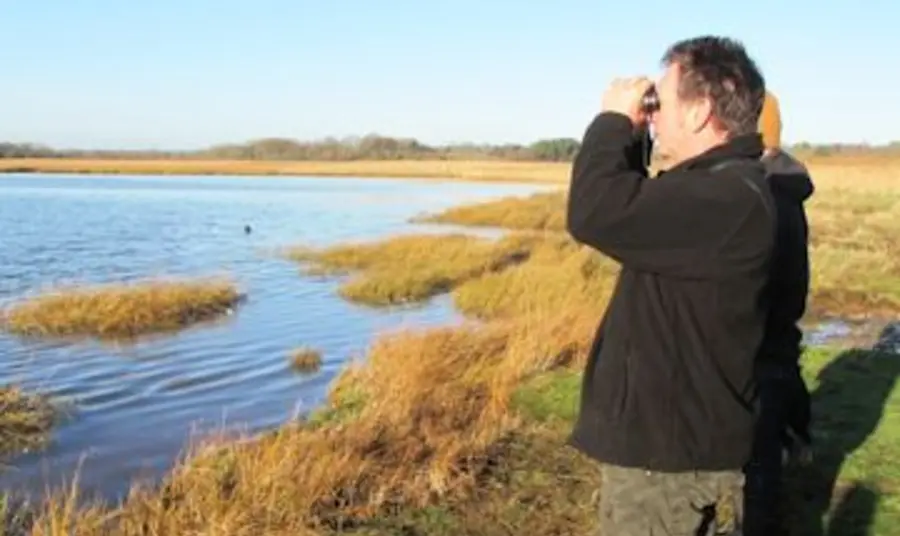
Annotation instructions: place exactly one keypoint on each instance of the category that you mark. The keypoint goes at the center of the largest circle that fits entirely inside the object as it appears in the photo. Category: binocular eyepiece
(650, 101)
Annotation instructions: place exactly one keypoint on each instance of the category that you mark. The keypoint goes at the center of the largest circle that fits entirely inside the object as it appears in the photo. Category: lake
(136, 405)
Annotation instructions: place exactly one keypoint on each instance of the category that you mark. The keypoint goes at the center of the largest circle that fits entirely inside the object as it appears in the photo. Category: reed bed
(121, 310)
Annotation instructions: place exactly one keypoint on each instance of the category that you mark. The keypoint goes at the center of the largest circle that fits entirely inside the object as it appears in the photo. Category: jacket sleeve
(677, 225)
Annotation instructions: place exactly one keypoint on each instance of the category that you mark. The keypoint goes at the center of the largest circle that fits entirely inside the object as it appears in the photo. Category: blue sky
(172, 74)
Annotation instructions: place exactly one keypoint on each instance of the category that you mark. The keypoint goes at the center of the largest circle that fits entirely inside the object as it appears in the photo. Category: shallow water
(136, 405)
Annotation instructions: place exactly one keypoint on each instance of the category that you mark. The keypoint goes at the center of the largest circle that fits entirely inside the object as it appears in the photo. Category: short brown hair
(720, 69)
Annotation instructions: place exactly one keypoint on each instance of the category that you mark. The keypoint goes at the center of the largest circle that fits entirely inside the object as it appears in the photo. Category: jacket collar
(747, 146)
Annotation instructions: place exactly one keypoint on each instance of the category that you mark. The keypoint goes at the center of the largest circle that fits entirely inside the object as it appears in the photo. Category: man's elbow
(585, 232)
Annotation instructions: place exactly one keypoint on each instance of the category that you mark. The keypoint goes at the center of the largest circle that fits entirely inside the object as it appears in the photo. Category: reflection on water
(840, 333)
(136, 405)
(825, 332)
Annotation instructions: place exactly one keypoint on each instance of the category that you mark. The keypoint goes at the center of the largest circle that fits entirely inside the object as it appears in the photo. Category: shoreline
(556, 173)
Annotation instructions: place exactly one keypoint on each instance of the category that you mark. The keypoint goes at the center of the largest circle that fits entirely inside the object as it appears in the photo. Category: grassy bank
(461, 430)
(444, 432)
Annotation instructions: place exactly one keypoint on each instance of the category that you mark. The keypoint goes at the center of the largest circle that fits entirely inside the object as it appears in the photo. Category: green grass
(854, 482)
(550, 398)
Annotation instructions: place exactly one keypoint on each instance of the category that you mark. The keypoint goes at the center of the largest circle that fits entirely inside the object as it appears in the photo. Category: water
(137, 405)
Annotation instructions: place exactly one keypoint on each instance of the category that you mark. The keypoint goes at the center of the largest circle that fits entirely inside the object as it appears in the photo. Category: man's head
(711, 91)
(770, 123)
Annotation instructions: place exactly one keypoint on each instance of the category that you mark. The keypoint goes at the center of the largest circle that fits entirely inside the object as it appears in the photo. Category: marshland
(257, 355)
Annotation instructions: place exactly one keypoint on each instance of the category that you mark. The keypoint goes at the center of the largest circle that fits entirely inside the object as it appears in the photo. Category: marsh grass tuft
(306, 360)
(26, 420)
(121, 310)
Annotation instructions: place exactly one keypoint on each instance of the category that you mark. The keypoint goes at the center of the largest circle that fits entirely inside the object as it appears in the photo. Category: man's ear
(699, 114)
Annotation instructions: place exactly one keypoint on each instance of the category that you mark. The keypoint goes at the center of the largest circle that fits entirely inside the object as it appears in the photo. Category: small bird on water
(247, 229)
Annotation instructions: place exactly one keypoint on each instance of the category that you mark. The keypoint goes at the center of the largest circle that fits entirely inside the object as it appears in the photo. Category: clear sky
(173, 74)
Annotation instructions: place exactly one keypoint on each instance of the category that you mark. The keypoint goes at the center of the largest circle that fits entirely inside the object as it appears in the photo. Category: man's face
(676, 121)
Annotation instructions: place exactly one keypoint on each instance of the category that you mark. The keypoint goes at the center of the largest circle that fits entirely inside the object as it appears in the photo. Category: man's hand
(624, 96)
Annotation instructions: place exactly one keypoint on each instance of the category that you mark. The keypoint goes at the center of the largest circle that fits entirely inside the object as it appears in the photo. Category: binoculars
(650, 101)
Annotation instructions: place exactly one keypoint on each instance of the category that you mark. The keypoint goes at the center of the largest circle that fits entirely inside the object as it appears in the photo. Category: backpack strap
(752, 185)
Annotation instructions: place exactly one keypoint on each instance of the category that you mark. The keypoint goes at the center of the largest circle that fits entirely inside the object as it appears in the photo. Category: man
(783, 399)
(667, 399)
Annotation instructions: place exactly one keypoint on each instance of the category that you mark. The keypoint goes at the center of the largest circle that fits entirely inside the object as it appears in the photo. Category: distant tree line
(375, 147)
(372, 147)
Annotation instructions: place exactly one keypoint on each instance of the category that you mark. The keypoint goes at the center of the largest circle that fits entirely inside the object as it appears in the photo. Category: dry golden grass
(121, 310)
(25, 420)
(306, 359)
(435, 413)
(541, 211)
(470, 170)
(854, 222)
(560, 275)
(414, 267)
(475, 170)
(854, 255)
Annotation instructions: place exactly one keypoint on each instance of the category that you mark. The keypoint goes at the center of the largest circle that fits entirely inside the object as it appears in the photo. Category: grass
(470, 170)
(854, 482)
(121, 310)
(462, 430)
(559, 276)
(432, 416)
(306, 360)
(412, 268)
(431, 413)
(854, 254)
(426, 451)
(540, 485)
(541, 211)
(25, 420)
(854, 220)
